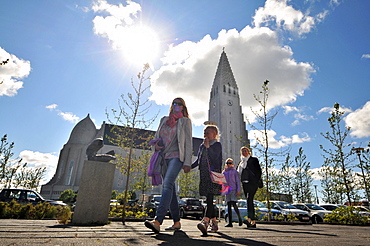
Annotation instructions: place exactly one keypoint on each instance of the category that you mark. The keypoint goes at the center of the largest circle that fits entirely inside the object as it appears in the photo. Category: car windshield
(242, 204)
(286, 205)
(194, 202)
(259, 204)
(314, 207)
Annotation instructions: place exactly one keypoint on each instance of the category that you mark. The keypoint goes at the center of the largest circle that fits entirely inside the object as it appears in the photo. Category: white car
(315, 212)
(287, 208)
(364, 211)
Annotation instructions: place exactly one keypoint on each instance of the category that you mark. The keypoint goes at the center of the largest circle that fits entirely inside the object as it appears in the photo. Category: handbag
(217, 178)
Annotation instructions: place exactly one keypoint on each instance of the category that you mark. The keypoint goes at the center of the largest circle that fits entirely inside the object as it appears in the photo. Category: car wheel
(182, 214)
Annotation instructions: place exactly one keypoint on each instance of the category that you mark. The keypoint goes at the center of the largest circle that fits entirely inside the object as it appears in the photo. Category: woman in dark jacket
(209, 158)
(250, 173)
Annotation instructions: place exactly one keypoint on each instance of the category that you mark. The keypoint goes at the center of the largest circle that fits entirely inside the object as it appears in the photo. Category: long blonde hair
(184, 108)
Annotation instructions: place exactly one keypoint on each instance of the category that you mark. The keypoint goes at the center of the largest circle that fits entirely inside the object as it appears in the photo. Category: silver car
(287, 208)
(315, 212)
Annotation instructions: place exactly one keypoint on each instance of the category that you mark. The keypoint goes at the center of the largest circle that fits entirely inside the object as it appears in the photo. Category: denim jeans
(169, 197)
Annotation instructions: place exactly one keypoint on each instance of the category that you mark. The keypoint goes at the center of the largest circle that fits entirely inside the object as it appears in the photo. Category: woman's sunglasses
(229, 163)
(177, 104)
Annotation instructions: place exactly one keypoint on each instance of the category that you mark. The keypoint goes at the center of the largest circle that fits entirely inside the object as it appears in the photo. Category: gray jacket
(184, 139)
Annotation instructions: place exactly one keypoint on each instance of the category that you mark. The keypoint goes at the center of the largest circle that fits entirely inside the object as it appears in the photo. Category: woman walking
(175, 131)
(250, 174)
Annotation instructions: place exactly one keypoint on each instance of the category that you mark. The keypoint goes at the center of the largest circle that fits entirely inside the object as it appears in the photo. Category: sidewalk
(49, 232)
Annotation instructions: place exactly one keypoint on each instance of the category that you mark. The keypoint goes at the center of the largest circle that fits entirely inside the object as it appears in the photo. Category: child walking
(232, 189)
(209, 158)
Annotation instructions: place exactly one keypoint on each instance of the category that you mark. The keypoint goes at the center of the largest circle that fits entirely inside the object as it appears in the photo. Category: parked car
(287, 208)
(364, 211)
(114, 203)
(156, 199)
(315, 212)
(330, 207)
(25, 196)
(191, 207)
(260, 209)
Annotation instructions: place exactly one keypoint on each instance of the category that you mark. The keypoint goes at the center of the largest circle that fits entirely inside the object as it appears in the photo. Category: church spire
(224, 74)
(225, 110)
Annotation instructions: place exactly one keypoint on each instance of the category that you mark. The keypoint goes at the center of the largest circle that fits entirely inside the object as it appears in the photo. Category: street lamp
(317, 198)
(358, 152)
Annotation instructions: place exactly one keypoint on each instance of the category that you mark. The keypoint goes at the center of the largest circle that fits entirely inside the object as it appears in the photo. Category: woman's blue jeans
(169, 197)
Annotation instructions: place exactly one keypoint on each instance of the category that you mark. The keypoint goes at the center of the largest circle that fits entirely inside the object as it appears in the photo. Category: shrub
(63, 214)
(346, 216)
(14, 210)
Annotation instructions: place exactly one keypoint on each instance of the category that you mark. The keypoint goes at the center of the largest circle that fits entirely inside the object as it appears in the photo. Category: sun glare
(139, 44)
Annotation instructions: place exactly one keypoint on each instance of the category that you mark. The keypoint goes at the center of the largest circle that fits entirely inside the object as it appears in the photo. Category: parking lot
(49, 232)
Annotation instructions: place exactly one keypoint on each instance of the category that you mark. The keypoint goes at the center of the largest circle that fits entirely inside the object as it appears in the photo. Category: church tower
(225, 111)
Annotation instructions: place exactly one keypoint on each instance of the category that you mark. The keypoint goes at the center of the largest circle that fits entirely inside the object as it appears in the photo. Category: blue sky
(73, 58)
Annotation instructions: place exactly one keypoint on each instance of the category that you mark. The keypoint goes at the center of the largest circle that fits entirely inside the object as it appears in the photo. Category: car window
(286, 205)
(274, 206)
(300, 206)
(31, 196)
(242, 204)
(314, 207)
(15, 194)
(194, 202)
(259, 204)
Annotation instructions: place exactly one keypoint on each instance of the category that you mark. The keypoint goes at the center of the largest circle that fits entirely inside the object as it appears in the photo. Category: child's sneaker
(214, 226)
(203, 226)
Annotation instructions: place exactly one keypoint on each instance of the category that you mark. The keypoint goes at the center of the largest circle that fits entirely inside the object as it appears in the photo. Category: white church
(225, 111)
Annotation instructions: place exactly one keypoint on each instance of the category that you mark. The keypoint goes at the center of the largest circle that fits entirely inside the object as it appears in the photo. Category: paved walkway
(49, 232)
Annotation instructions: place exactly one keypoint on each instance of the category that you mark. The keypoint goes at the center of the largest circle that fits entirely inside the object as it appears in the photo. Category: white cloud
(331, 109)
(11, 72)
(52, 106)
(365, 56)
(288, 109)
(285, 16)
(274, 143)
(122, 27)
(254, 54)
(359, 121)
(298, 116)
(301, 117)
(68, 116)
(39, 160)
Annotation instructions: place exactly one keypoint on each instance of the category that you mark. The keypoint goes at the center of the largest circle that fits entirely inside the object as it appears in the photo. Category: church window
(224, 88)
(69, 175)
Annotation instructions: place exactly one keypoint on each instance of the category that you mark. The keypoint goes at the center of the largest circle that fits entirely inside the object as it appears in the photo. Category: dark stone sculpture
(92, 151)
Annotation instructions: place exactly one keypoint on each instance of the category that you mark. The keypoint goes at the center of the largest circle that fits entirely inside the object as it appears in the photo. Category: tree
(141, 178)
(303, 180)
(364, 166)
(133, 108)
(68, 196)
(8, 167)
(29, 178)
(286, 176)
(188, 184)
(264, 119)
(338, 159)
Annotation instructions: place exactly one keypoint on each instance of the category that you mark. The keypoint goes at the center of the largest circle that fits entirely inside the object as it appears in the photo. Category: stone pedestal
(94, 194)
